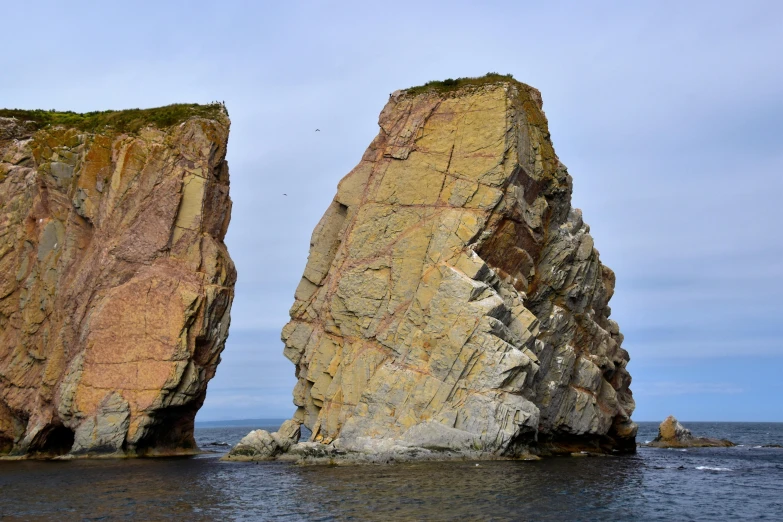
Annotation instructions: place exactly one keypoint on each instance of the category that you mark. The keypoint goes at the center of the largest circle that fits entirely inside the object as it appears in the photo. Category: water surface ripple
(656, 484)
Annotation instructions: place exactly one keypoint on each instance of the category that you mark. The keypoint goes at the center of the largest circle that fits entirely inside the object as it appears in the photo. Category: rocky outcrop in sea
(453, 301)
(672, 434)
(115, 283)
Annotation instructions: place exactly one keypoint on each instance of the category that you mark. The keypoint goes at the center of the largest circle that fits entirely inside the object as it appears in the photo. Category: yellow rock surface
(451, 289)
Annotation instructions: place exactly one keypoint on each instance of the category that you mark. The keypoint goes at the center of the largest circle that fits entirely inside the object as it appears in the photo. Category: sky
(669, 116)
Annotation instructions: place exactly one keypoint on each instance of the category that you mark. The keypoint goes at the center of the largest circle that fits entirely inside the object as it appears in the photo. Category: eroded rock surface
(115, 284)
(453, 299)
(672, 434)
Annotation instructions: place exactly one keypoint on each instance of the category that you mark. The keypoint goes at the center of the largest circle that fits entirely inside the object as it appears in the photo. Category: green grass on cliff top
(129, 120)
(452, 85)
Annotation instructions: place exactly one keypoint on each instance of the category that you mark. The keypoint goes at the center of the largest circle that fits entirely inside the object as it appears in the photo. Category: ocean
(741, 483)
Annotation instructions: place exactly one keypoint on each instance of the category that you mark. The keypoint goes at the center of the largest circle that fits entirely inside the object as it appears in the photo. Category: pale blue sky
(669, 116)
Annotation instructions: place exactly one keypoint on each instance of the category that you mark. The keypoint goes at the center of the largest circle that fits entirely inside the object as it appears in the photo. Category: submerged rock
(115, 283)
(453, 299)
(672, 434)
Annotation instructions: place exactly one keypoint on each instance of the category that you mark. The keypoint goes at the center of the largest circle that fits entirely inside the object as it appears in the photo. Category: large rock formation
(115, 283)
(453, 298)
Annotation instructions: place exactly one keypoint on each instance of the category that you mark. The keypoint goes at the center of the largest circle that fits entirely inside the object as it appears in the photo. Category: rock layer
(453, 298)
(115, 283)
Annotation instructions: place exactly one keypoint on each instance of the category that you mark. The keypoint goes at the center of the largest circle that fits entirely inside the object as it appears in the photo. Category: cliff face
(115, 283)
(452, 297)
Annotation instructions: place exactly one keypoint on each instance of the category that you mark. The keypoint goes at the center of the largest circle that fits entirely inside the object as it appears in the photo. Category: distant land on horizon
(240, 422)
(277, 421)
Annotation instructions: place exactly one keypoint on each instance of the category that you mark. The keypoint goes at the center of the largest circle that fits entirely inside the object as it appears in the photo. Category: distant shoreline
(274, 422)
(240, 423)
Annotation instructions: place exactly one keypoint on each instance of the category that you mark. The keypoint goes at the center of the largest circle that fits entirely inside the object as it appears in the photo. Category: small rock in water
(672, 434)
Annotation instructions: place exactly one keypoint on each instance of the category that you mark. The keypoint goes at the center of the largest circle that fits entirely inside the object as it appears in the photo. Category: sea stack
(453, 300)
(115, 283)
(672, 434)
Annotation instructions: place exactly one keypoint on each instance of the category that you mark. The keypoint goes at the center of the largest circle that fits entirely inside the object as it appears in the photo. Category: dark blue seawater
(744, 483)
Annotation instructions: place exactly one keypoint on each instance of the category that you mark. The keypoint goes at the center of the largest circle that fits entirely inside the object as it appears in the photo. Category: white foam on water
(711, 468)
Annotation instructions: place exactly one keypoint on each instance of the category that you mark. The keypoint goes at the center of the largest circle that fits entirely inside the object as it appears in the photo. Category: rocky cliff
(115, 283)
(453, 299)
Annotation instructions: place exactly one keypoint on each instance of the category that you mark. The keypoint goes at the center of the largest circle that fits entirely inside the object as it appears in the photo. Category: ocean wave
(712, 468)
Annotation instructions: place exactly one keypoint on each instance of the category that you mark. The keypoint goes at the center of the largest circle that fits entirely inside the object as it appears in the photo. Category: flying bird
(317, 130)
(285, 194)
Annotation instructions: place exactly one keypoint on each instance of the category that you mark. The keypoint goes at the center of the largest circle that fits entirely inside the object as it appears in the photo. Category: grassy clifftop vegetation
(129, 120)
(451, 84)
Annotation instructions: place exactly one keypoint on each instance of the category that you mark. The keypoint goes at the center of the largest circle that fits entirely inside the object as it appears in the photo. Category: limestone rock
(672, 434)
(115, 283)
(452, 295)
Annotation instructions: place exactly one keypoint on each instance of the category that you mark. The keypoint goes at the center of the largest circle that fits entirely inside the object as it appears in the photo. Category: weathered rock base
(429, 442)
(99, 455)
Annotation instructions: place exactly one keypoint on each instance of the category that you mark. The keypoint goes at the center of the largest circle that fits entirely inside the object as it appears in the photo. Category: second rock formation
(453, 299)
